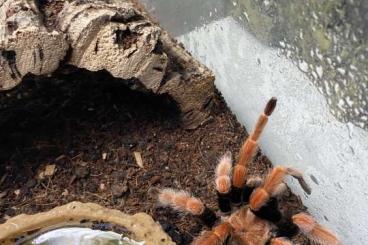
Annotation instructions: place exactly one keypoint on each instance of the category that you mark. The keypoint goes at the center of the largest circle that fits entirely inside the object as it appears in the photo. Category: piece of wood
(138, 159)
(116, 36)
(50, 170)
(25, 44)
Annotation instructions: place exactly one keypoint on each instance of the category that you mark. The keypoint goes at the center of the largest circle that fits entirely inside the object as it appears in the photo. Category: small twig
(96, 195)
(77, 156)
(3, 178)
(96, 175)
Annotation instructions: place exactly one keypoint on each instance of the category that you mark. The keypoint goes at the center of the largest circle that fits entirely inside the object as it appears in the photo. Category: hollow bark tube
(116, 36)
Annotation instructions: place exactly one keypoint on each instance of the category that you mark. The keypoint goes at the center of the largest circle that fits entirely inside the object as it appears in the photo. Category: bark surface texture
(116, 36)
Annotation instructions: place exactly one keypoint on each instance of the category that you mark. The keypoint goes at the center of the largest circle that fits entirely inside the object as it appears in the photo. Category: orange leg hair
(314, 231)
(250, 146)
(181, 201)
(273, 184)
(223, 171)
(217, 236)
(281, 241)
(223, 182)
(248, 228)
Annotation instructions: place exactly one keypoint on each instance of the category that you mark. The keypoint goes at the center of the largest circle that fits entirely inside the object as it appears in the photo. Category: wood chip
(150, 146)
(138, 159)
(50, 170)
(118, 190)
(81, 163)
(104, 156)
(17, 192)
(41, 175)
(155, 180)
(65, 193)
(3, 194)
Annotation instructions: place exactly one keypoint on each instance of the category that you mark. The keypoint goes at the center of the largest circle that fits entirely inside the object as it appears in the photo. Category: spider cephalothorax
(249, 213)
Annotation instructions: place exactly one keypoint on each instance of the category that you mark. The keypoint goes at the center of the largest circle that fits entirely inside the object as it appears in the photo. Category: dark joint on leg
(270, 211)
(246, 194)
(286, 228)
(208, 217)
(236, 196)
(224, 202)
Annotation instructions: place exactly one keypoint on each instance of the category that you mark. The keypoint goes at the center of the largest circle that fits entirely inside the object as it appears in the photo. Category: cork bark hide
(25, 44)
(116, 36)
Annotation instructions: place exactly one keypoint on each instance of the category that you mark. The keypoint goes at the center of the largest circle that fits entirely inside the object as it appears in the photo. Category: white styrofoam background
(302, 132)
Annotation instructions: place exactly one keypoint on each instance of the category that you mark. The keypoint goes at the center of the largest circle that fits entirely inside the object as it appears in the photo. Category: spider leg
(270, 211)
(238, 184)
(263, 200)
(306, 224)
(208, 217)
(248, 228)
(247, 152)
(314, 231)
(279, 189)
(299, 176)
(217, 236)
(224, 203)
(252, 183)
(223, 182)
(184, 202)
(286, 228)
(280, 241)
(273, 185)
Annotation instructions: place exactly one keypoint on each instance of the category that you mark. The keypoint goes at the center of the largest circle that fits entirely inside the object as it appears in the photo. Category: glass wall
(312, 55)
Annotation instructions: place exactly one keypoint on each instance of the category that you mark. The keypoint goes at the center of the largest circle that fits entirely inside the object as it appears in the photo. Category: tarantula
(249, 213)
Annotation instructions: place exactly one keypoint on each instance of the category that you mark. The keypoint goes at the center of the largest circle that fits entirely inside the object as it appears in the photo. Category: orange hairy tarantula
(249, 207)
